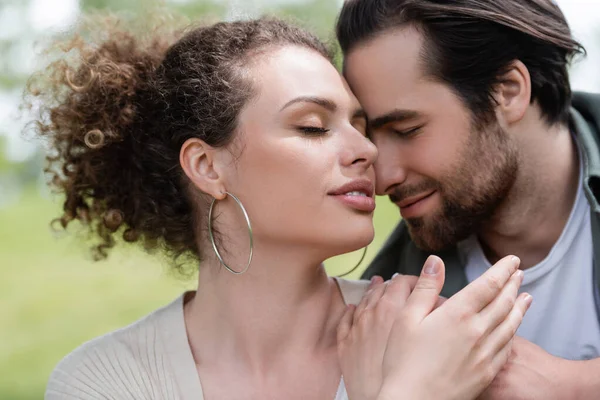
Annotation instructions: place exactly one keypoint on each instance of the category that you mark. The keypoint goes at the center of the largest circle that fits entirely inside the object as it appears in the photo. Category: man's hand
(455, 350)
(403, 344)
(533, 374)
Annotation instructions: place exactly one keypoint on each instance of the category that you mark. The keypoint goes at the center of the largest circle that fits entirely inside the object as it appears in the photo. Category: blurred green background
(52, 296)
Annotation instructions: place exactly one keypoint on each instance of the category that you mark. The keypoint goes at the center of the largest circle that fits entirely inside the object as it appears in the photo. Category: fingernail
(528, 300)
(395, 275)
(431, 266)
(519, 274)
(516, 261)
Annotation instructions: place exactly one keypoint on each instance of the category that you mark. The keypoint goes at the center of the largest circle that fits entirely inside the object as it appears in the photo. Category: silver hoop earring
(357, 265)
(212, 238)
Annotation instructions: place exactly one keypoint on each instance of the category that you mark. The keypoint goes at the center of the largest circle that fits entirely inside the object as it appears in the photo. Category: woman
(240, 145)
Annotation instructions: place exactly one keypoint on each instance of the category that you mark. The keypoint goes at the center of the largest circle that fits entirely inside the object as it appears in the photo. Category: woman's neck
(281, 308)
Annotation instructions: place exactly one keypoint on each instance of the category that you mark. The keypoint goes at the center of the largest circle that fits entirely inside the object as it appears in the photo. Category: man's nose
(389, 168)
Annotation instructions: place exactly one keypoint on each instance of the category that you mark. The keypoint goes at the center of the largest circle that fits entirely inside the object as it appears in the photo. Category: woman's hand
(398, 344)
(363, 335)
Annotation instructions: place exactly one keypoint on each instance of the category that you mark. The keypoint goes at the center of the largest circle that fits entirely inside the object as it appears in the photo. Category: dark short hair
(469, 44)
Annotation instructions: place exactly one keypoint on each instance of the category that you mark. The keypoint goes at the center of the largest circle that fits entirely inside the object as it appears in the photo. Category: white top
(150, 359)
(563, 319)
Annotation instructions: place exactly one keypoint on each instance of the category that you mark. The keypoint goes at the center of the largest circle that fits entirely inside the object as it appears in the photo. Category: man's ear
(513, 93)
(199, 162)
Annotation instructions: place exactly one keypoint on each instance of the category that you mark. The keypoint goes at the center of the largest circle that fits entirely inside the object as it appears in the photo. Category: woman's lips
(359, 202)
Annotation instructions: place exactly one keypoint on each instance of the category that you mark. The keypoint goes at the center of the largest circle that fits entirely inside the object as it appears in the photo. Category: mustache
(399, 193)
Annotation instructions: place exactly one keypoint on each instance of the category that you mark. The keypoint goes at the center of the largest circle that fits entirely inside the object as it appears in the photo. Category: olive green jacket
(399, 253)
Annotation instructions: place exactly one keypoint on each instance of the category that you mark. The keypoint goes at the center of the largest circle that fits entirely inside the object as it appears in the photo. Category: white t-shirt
(563, 318)
(148, 360)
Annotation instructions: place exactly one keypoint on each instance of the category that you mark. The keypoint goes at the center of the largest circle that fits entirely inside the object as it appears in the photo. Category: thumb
(425, 296)
(345, 324)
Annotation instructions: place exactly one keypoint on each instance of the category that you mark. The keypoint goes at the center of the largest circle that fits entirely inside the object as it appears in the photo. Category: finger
(500, 359)
(345, 323)
(501, 306)
(483, 290)
(426, 294)
(505, 332)
(410, 280)
(375, 280)
(498, 363)
(441, 300)
(375, 291)
(399, 289)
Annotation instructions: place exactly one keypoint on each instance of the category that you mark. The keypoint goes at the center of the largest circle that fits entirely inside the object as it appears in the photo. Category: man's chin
(428, 244)
(423, 238)
(430, 238)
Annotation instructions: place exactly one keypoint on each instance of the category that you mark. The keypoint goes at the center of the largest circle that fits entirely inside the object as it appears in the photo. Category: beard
(470, 193)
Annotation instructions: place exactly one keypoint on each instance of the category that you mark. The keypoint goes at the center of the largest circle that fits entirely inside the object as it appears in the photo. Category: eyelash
(408, 133)
(312, 130)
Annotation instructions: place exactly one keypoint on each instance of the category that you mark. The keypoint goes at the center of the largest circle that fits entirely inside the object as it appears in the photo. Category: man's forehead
(399, 44)
(390, 62)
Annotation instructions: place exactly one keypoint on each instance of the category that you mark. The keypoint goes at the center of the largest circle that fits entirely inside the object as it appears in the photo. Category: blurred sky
(56, 15)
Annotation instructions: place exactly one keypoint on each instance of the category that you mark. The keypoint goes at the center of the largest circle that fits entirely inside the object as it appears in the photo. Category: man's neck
(531, 220)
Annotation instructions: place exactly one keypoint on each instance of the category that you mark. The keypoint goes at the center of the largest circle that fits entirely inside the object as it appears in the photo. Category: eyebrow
(393, 116)
(359, 113)
(325, 103)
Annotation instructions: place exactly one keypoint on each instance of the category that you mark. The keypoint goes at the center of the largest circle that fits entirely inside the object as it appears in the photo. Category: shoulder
(127, 363)
(587, 101)
(588, 106)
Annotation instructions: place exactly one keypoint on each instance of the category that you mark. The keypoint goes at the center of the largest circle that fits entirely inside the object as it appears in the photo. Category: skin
(397, 340)
(385, 79)
(272, 330)
(526, 221)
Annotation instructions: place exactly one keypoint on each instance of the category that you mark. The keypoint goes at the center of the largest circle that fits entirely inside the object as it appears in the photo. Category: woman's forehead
(294, 71)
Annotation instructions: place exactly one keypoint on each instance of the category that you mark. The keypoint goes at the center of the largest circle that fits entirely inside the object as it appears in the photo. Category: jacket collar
(585, 124)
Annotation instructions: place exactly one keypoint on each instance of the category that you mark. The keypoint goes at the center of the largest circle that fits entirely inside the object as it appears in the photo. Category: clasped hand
(404, 341)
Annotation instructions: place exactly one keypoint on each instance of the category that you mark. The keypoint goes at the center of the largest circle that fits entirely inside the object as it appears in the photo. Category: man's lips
(413, 199)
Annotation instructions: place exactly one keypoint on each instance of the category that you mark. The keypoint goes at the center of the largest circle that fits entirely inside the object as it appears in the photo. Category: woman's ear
(513, 94)
(199, 162)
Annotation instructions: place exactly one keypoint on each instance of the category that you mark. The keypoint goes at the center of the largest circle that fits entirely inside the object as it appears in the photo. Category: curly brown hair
(116, 111)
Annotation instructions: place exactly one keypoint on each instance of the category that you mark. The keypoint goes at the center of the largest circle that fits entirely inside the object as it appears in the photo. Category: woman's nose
(361, 151)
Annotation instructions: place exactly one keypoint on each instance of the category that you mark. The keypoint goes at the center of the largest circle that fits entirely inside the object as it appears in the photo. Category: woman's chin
(355, 240)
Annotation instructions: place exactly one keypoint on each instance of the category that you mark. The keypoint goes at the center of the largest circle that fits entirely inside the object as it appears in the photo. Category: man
(486, 152)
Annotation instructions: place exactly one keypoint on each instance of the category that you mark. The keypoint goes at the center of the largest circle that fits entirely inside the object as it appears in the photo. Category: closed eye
(312, 130)
(408, 133)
